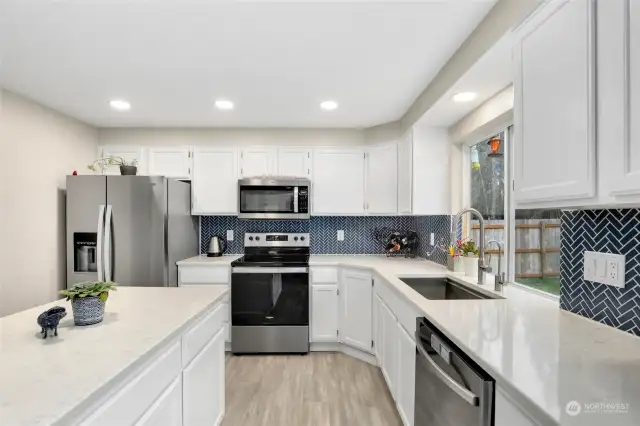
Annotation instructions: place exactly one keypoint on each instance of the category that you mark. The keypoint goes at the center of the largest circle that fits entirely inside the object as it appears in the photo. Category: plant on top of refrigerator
(104, 163)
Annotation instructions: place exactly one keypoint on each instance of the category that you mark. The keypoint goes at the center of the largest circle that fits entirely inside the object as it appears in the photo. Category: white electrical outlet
(340, 235)
(433, 237)
(229, 234)
(604, 268)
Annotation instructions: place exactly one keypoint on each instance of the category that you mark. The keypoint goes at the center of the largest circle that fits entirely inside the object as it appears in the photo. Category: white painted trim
(345, 349)
(536, 292)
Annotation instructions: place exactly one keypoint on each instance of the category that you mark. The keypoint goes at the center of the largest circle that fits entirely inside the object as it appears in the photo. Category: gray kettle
(217, 246)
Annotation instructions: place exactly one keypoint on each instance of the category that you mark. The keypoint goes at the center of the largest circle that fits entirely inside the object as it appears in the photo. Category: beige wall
(40, 147)
(172, 136)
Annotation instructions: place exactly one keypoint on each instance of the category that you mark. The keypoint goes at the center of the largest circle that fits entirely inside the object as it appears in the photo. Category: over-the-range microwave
(274, 198)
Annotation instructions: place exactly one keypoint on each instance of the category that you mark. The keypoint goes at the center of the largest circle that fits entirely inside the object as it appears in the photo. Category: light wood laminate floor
(319, 389)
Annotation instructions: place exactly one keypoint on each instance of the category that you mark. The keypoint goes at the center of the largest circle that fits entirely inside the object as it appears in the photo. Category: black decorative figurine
(50, 319)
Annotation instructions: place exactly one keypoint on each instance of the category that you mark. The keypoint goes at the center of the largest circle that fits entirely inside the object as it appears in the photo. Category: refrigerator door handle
(99, 242)
(107, 244)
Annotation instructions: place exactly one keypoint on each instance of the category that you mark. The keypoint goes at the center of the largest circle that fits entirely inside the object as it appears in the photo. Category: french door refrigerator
(128, 229)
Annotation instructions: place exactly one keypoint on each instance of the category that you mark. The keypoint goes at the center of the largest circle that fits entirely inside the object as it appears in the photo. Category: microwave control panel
(303, 199)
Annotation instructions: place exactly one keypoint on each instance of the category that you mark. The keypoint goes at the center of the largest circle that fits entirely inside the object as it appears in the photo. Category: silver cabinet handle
(99, 242)
(464, 393)
(107, 244)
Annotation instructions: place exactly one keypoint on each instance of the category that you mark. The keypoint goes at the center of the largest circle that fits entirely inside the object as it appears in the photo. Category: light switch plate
(229, 234)
(605, 268)
(432, 239)
(340, 235)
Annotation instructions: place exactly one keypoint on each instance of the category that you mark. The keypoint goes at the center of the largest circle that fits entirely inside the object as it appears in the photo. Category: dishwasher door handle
(461, 391)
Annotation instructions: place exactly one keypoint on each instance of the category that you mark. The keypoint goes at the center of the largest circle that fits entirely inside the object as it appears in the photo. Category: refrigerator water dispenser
(85, 244)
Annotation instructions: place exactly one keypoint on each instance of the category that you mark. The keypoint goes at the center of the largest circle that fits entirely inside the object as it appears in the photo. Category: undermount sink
(444, 289)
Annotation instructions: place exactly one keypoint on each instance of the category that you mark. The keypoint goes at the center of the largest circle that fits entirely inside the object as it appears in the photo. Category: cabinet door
(619, 96)
(356, 298)
(215, 181)
(258, 161)
(174, 162)
(382, 179)
(167, 410)
(389, 349)
(508, 414)
(555, 103)
(406, 375)
(405, 172)
(377, 328)
(338, 181)
(324, 313)
(294, 162)
(203, 385)
(128, 154)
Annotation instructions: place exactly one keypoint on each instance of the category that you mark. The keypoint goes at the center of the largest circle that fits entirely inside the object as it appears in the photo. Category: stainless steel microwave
(274, 198)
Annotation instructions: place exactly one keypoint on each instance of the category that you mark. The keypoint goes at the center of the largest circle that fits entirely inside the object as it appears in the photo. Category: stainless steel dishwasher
(451, 389)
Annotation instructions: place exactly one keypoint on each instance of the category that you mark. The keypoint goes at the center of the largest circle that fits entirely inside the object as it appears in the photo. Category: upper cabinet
(128, 154)
(258, 161)
(338, 181)
(405, 172)
(382, 179)
(214, 189)
(554, 109)
(294, 161)
(173, 162)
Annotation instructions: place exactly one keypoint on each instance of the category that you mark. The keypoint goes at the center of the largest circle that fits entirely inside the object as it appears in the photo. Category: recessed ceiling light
(329, 105)
(224, 104)
(120, 105)
(464, 96)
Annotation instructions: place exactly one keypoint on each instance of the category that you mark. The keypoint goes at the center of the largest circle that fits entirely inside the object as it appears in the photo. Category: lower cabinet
(324, 313)
(406, 387)
(507, 413)
(167, 410)
(356, 295)
(203, 385)
(389, 364)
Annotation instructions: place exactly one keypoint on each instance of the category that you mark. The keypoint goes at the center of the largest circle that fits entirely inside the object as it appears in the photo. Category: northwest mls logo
(573, 408)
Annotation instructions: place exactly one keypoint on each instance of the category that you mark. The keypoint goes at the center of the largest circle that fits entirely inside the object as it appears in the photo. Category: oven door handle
(464, 393)
(268, 270)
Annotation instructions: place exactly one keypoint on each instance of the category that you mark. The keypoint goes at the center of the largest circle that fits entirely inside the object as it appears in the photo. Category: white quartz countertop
(542, 356)
(47, 382)
(204, 260)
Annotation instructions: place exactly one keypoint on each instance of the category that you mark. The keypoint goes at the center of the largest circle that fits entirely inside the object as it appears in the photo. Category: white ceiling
(489, 75)
(276, 60)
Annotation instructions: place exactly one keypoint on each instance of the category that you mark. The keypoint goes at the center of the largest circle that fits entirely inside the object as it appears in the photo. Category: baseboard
(345, 349)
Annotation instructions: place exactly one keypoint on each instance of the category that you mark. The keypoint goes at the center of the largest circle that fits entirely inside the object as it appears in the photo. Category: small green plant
(103, 164)
(469, 248)
(90, 289)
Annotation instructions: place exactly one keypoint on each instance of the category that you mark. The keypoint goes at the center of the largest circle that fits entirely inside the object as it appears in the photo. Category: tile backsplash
(358, 232)
(609, 231)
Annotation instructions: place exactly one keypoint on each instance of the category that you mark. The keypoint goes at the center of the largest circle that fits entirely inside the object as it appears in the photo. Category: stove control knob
(257, 238)
(250, 238)
(295, 238)
(301, 238)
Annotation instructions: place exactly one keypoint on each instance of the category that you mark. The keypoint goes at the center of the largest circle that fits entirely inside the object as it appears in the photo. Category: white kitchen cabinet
(377, 327)
(173, 162)
(324, 313)
(203, 385)
(338, 181)
(507, 413)
(128, 154)
(215, 181)
(406, 375)
(405, 172)
(554, 109)
(258, 161)
(382, 179)
(294, 161)
(167, 410)
(619, 95)
(389, 349)
(356, 295)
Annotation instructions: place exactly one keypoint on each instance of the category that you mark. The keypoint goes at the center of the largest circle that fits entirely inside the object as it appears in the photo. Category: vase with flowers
(470, 252)
(454, 258)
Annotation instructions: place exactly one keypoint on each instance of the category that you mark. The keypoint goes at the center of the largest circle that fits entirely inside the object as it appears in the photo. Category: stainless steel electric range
(270, 295)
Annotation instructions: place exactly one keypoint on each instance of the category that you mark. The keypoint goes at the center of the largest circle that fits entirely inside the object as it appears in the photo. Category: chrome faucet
(500, 276)
(482, 268)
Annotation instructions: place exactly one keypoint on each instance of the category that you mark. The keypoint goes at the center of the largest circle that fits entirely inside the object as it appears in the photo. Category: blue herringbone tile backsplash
(358, 232)
(609, 231)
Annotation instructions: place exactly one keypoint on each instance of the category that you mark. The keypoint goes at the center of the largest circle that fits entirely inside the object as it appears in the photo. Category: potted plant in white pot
(126, 169)
(471, 253)
(88, 300)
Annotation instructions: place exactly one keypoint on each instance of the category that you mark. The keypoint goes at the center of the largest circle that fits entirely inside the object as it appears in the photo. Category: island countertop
(44, 382)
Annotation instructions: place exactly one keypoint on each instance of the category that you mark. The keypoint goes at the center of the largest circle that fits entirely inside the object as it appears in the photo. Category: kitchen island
(158, 355)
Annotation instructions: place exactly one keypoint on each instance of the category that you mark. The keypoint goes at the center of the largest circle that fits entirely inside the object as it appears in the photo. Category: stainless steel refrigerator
(128, 229)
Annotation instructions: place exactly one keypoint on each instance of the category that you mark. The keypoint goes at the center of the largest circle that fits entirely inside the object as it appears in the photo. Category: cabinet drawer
(320, 275)
(201, 333)
(128, 404)
(204, 274)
